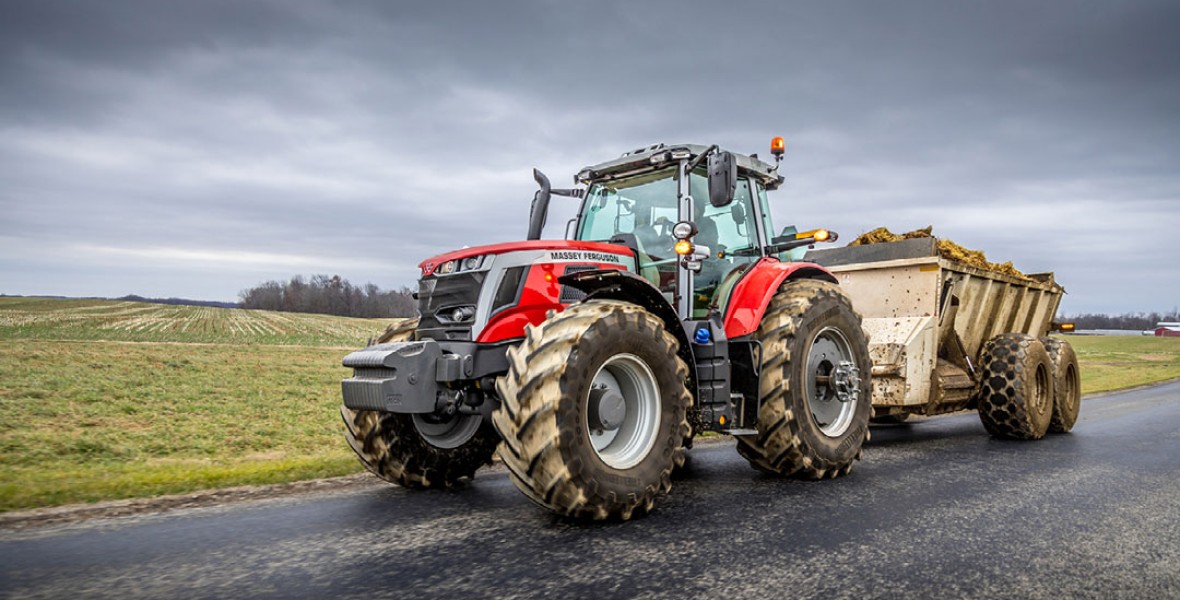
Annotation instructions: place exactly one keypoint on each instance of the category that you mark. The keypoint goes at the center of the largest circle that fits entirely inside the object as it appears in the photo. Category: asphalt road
(936, 509)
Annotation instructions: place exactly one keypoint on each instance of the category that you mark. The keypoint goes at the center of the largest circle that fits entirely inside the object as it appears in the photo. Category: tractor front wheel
(418, 451)
(593, 411)
(816, 398)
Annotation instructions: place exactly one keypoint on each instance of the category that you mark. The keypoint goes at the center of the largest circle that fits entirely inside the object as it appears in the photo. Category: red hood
(429, 264)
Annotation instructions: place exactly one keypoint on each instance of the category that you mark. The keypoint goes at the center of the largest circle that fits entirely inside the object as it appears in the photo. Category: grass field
(1116, 362)
(106, 320)
(105, 400)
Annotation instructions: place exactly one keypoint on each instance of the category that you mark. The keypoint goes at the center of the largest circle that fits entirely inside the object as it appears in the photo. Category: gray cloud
(197, 148)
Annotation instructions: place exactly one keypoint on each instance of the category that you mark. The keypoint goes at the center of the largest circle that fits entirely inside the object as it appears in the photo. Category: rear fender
(750, 297)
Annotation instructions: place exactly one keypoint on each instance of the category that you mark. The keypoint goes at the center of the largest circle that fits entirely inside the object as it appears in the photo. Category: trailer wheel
(1067, 386)
(593, 411)
(815, 392)
(415, 451)
(1015, 389)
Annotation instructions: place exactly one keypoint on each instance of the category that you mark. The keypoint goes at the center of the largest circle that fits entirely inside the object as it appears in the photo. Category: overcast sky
(195, 149)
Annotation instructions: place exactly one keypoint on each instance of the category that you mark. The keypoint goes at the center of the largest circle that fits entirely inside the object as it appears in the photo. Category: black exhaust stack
(540, 209)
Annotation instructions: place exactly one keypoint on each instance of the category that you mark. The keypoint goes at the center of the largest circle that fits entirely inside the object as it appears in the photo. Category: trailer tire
(562, 448)
(1015, 389)
(1067, 385)
(804, 429)
(391, 447)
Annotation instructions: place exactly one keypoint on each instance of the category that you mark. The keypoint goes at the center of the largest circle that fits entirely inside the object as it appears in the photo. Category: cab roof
(660, 156)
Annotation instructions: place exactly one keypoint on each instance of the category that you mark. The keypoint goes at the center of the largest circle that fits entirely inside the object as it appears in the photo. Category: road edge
(73, 513)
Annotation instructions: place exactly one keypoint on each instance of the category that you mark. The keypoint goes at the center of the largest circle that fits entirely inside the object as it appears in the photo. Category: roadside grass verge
(88, 421)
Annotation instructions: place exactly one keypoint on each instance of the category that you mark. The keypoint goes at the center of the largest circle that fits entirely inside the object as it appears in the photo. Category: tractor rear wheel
(1015, 389)
(418, 451)
(815, 392)
(593, 411)
(1067, 385)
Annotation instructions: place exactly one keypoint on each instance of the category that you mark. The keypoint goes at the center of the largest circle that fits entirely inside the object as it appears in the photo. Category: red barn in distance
(1164, 330)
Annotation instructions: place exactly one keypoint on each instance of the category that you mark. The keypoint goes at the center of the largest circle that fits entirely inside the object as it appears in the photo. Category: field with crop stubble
(105, 399)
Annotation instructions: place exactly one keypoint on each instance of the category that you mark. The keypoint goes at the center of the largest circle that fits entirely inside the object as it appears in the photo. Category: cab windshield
(645, 207)
(637, 206)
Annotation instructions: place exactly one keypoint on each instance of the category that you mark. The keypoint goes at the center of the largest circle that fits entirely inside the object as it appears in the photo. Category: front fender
(752, 294)
(615, 284)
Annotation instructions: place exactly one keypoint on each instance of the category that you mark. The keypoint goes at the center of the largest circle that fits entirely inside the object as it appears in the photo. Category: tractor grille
(443, 294)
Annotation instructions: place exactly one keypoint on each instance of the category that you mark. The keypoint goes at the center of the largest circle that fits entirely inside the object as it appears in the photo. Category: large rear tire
(1015, 389)
(418, 451)
(1067, 385)
(815, 391)
(593, 411)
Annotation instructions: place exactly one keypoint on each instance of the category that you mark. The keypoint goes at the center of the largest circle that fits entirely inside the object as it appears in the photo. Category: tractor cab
(719, 201)
(638, 199)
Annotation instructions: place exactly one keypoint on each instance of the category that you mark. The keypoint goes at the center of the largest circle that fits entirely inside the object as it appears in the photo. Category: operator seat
(712, 267)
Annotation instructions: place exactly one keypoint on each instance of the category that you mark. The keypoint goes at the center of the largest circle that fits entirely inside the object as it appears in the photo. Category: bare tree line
(1131, 321)
(330, 296)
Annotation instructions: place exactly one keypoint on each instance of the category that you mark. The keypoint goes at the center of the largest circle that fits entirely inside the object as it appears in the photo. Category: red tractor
(591, 362)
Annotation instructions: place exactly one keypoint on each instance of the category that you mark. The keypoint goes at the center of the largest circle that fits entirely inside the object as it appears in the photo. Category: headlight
(456, 314)
(683, 230)
(462, 265)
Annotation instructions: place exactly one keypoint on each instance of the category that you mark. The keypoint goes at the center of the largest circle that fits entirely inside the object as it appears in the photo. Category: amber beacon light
(778, 146)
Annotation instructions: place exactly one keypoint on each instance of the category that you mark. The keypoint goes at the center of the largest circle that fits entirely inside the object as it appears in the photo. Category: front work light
(684, 230)
(820, 235)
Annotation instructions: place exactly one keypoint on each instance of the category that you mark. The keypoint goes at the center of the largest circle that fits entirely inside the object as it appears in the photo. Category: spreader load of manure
(946, 248)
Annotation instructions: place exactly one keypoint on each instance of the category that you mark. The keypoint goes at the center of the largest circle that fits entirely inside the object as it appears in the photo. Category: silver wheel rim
(1040, 399)
(449, 432)
(628, 444)
(1070, 393)
(832, 382)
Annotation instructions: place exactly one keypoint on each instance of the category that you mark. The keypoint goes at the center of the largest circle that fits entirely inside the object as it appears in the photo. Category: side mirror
(722, 178)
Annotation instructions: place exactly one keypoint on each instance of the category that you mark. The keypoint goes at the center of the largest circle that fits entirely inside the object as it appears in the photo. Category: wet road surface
(936, 509)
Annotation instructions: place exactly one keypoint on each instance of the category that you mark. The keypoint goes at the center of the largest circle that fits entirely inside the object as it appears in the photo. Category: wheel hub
(845, 381)
(623, 411)
(447, 431)
(607, 408)
(833, 382)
